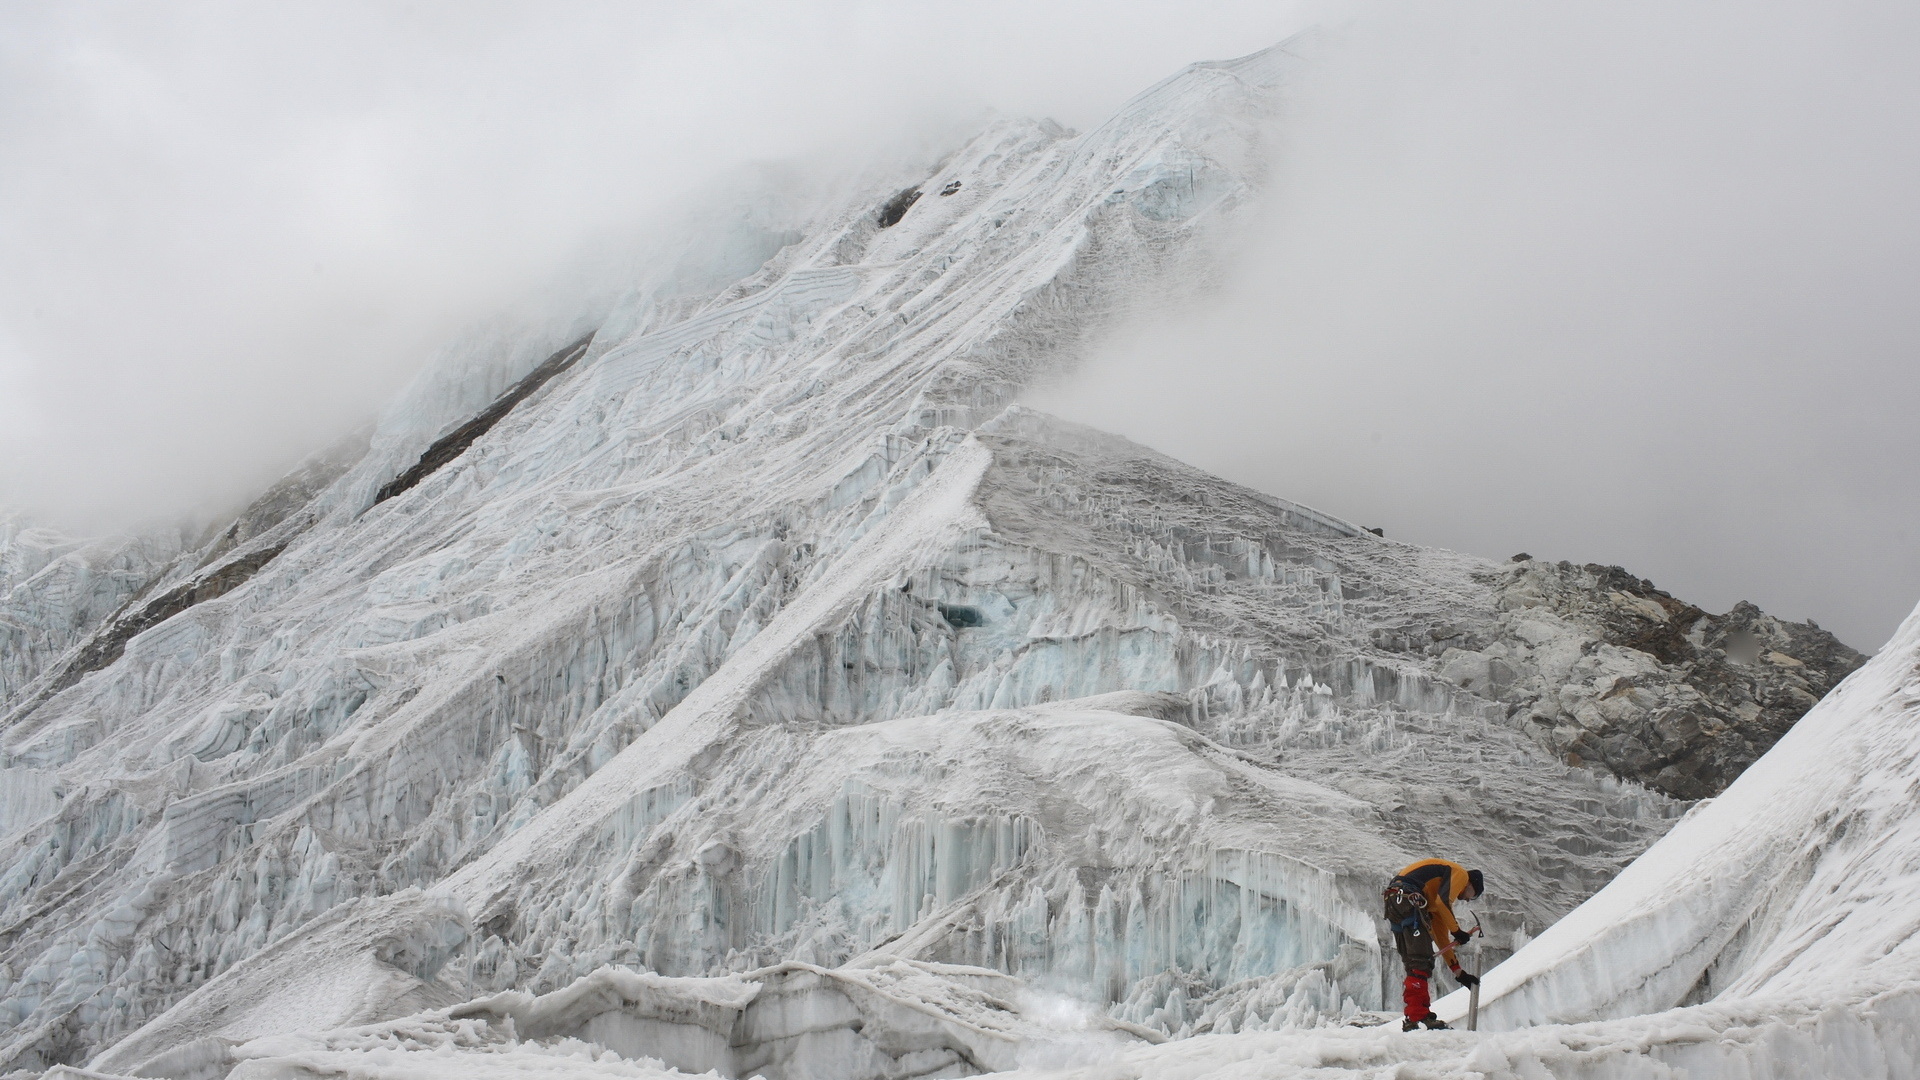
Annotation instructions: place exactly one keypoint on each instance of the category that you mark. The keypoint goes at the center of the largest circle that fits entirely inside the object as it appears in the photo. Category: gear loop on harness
(1406, 906)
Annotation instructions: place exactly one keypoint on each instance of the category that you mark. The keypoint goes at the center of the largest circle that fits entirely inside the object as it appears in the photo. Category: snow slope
(767, 630)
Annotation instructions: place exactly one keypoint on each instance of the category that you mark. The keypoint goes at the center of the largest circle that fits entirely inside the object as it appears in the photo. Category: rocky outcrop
(1609, 671)
(455, 442)
(145, 591)
(281, 501)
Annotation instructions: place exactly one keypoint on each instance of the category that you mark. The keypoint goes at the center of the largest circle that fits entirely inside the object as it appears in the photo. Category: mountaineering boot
(1434, 1023)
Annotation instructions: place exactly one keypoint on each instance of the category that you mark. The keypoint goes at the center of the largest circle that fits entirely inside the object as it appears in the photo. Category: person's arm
(1446, 928)
(1441, 922)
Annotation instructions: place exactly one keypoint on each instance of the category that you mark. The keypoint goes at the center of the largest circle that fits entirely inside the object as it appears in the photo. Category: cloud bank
(229, 232)
(1627, 284)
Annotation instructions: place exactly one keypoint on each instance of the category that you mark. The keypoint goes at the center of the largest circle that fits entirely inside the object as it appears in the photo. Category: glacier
(1769, 933)
(741, 678)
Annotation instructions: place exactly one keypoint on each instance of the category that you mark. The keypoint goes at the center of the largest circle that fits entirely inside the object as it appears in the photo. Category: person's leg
(1415, 944)
(1416, 954)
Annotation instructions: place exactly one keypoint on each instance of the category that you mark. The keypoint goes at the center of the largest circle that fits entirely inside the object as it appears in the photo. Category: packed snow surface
(757, 687)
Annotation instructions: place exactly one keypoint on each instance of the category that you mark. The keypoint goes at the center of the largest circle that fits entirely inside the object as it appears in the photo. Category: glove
(1466, 979)
(1461, 937)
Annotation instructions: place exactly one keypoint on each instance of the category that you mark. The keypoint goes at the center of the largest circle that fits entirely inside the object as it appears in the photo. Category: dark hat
(1474, 879)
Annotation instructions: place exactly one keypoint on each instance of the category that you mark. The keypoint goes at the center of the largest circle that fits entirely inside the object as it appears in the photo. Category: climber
(1419, 903)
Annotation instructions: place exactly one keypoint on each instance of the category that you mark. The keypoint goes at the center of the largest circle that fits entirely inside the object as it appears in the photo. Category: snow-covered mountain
(743, 679)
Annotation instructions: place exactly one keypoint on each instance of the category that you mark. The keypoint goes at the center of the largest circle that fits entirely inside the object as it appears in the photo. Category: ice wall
(1769, 934)
(55, 589)
(1064, 845)
(889, 1019)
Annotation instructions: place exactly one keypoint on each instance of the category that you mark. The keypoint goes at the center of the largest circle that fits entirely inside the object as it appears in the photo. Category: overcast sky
(1638, 288)
(1631, 284)
(228, 231)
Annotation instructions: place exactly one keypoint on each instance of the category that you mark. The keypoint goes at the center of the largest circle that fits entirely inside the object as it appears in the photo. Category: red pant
(1414, 990)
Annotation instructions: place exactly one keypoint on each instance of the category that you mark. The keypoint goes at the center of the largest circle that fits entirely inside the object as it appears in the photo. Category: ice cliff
(744, 672)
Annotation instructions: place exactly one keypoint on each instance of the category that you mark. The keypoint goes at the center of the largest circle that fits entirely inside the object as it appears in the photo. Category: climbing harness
(1406, 905)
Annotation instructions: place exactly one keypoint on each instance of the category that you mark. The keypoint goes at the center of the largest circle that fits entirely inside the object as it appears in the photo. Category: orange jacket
(1442, 882)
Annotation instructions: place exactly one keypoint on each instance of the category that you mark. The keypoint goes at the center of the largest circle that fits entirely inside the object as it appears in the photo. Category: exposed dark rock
(110, 641)
(1664, 693)
(455, 442)
(897, 207)
(267, 526)
(291, 493)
